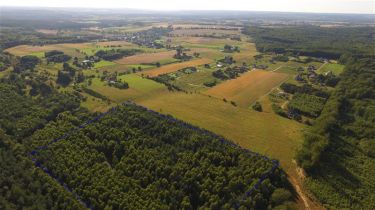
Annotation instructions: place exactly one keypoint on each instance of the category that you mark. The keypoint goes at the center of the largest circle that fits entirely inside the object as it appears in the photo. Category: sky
(320, 6)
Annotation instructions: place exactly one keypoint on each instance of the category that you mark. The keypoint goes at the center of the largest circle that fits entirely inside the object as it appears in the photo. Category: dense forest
(133, 158)
(314, 41)
(338, 150)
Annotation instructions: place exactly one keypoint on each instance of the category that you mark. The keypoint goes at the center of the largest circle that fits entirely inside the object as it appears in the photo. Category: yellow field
(22, 50)
(266, 133)
(247, 88)
(146, 58)
(176, 66)
(47, 31)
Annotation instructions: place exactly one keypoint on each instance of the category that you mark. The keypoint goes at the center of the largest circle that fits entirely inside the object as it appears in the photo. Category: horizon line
(182, 10)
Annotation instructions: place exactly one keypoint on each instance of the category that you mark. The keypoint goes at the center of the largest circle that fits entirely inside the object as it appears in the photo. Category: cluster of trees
(5, 61)
(135, 159)
(27, 62)
(230, 49)
(56, 56)
(66, 75)
(229, 72)
(181, 55)
(115, 54)
(304, 89)
(21, 115)
(306, 104)
(346, 128)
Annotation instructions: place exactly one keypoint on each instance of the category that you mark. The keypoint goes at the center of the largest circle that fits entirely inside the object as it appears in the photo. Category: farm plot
(247, 88)
(176, 66)
(147, 58)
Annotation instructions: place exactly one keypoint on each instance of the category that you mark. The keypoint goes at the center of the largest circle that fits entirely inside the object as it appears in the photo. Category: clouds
(336, 6)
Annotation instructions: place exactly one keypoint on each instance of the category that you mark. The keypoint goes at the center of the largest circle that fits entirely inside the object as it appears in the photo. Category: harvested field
(176, 66)
(47, 31)
(122, 43)
(146, 58)
(247, 88)
(22, 50)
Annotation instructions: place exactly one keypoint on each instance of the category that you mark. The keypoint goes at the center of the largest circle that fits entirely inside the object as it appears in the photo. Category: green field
(335, 68)
(138, 88)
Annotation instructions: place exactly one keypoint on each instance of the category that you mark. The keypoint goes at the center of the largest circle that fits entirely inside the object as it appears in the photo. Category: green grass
(334, 67)
(103, 63)
(138, 88)
(195, 81)
(143, 66)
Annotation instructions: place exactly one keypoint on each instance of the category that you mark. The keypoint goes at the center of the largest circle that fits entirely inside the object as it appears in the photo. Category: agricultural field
(176, 66)
(148, 58)
(247, 88)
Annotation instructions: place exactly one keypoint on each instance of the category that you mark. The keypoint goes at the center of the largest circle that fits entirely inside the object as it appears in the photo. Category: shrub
(257, 107)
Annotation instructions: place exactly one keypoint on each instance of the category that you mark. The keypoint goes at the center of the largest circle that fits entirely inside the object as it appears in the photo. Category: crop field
(70, 49)
(266, 133)
(176, 66)
(146, 58)
(247, 88)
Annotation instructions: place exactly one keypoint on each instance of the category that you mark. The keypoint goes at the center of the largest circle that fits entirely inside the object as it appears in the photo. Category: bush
(279, 196)
(257, 107)
(278, 110)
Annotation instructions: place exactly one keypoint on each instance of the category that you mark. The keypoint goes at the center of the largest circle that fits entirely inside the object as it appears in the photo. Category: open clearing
(247, 88)
(176, 66)
(138, 88)
(146, 58)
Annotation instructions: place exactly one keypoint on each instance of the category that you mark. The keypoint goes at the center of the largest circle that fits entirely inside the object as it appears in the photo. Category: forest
(137, 159)
(338, 148)
(314, 41)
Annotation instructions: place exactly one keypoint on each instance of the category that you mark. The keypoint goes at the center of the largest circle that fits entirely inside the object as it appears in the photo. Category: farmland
(220, 75)
(246, 89)
(177, 66)
(147, 58)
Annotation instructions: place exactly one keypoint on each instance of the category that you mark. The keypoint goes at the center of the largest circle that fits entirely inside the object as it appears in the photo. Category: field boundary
(33, 153)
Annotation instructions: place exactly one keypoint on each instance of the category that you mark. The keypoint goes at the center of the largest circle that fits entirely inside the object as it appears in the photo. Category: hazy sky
(334, 6)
